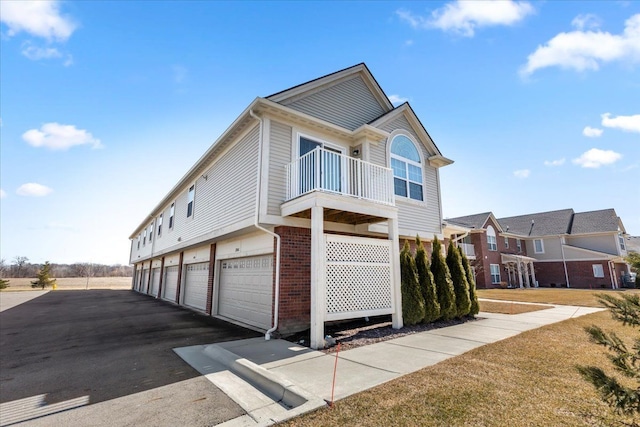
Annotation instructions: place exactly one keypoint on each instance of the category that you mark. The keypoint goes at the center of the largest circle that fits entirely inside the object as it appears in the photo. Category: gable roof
(595, 222)
(285, 96)
(539, 224)
(476, 221)
(405, 108)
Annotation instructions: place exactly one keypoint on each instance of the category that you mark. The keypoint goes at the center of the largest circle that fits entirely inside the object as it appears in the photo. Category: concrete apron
(276, 380)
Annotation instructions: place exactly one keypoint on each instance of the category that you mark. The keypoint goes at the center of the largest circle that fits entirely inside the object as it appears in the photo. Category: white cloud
(595, 158)
(587, 50)
(464, 17)
(3, 193)
(624, 123)
(59, 137)
(33, 189)
(36, 53)
(591, 132)
(397, 99)
(558, 162)
(522, 173)
(588, 20)
(40, 18)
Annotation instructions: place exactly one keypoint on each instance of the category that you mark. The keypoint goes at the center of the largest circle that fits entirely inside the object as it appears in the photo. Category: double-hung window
(407, 168)
(621, 240)
(506, 242)
(519, 245)
(171, 212)
(538, 246)
(160, 225)
(495, 273)
(192, 191)
(144, 237)
(491, 239)
(150, 232)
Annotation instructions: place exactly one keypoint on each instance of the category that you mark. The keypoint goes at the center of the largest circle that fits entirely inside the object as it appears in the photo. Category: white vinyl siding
(279, 156)
(606, 243)
(598, 270)
(225, 197)
(495, 273)
(349, 104)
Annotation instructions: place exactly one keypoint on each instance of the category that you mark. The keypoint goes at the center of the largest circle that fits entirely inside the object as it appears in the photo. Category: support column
(526, 274)
(318, 280)
(396, 317)
(533, 275)
(161, 279)
(149, 278)
(520, 273)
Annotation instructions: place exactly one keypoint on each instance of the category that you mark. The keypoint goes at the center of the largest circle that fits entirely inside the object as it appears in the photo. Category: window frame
(407, 179)
(144, 237)
(492, 244)
(621, 242)
(598, 271)
(506, 242)
(494, 275)
(191, 197)
(151, 232)
(535, 247)
(519, 245)
(172, 212)
(159, 222)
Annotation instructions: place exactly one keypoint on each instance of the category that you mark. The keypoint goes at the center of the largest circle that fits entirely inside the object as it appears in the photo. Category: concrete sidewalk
(310, 373)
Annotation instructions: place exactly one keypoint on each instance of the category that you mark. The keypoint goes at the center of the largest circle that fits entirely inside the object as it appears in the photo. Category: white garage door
(155, 281)
(145, 281)
(138, 284)
(195, 289)
(170, 284)
(246, 290)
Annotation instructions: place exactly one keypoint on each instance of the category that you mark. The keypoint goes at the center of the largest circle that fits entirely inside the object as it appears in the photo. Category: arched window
(491, 239)
(407, 168)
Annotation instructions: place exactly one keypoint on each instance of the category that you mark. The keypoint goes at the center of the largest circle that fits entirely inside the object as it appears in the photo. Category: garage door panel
(170, 285)
(196, 285)
(155, 281)
(246, 290)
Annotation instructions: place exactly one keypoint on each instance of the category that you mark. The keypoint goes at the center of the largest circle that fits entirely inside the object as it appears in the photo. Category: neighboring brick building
(556, 249)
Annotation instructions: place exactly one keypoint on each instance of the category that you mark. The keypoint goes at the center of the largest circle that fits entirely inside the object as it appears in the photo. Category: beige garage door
(195, 287)
(246, 290)
(170, 284)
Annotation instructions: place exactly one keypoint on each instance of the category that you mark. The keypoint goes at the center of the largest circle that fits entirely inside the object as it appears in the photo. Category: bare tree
(20, 262)
(3, 268)
(84, 269)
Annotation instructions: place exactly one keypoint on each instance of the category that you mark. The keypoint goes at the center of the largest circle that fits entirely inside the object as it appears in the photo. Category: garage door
(138, 283)
(145, 280)
(155, 281)
(195, 289)
(246, 289)
(170, 283)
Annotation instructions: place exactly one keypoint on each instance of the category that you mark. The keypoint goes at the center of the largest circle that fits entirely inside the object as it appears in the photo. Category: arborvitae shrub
(471, 280)
(412, 301)
(427, 285)
(442, 279)
(459, 279)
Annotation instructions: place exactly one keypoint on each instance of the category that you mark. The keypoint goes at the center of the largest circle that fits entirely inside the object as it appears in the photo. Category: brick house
(295, 214)
(558, 248)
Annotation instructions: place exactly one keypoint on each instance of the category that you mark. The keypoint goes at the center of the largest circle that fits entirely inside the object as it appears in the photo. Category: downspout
(256, 224)
(564, 262)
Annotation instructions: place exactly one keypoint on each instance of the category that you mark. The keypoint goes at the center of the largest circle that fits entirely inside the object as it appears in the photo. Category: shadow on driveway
(101, 343)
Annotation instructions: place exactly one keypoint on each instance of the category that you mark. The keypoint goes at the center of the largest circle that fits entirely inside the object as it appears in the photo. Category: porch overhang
(507, 258)
(338, 208)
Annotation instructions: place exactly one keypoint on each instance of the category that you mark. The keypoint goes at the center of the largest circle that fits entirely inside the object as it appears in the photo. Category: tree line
(20, 267)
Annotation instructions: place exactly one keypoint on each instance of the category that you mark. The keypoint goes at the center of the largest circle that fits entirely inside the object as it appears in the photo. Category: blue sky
(105, 105)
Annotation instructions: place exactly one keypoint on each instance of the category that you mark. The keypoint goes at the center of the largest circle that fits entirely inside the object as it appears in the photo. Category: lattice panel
(338, 251)
(352, 288)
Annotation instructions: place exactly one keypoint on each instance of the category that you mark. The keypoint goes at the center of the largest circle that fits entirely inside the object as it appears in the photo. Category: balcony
(468, 249)
(329, 171)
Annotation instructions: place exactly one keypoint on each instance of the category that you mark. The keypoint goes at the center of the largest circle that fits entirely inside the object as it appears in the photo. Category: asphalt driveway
(104, 344)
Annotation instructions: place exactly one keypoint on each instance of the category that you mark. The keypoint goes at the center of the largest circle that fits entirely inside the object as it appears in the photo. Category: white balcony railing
(325, 170)
(468, 249)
